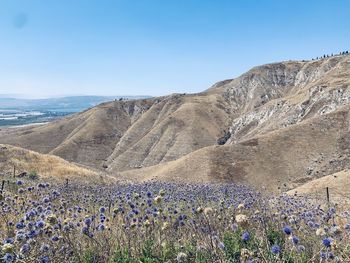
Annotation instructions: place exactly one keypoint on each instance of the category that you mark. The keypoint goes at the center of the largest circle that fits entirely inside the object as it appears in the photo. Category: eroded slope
(279, 160)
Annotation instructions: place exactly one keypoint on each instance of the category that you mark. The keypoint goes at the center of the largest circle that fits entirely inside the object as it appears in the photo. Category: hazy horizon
(28, 96)
(156, 47)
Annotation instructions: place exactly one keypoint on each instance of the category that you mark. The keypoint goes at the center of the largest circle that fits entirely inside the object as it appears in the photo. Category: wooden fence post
(109, 206)
(327, 192)
(2, 186)
(328, 202)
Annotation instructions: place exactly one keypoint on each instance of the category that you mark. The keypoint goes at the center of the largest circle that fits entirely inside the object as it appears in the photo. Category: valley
(22, 118)
(19, 111)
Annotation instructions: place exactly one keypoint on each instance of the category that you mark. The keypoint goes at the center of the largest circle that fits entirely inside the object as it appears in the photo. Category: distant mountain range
(64, 104)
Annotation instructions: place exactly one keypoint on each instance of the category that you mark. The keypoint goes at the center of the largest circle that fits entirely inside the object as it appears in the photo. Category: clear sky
(156, 47)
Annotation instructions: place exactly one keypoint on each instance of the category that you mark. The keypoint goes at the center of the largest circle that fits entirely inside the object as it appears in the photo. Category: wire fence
(331, 196)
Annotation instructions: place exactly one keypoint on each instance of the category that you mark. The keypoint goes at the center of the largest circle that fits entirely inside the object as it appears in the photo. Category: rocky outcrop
(222, 140)
(274, 96)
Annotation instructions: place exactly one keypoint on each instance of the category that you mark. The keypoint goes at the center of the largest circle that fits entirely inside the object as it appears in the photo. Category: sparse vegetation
(331, 55)
(33, 175)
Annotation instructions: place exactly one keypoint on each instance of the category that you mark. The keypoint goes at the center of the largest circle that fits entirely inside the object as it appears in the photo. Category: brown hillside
(279, 161)
(46, 166)
(88, 137)
(171, 128)
(151, 130)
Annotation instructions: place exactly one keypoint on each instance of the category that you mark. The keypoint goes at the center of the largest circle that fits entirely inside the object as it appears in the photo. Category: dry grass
(47, 166)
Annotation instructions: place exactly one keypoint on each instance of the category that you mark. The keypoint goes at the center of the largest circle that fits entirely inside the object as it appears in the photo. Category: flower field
(164, 222)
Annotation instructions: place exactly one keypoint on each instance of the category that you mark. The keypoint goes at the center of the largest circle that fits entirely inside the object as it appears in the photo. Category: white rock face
(277, 95)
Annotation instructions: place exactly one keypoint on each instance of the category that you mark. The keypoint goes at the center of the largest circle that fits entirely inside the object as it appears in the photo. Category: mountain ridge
(172, 136)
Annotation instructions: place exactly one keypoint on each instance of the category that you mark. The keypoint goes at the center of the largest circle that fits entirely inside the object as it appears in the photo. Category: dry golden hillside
(171, 128)
(46, 166)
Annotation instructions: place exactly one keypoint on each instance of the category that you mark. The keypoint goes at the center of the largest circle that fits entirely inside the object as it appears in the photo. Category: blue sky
(156, 47)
